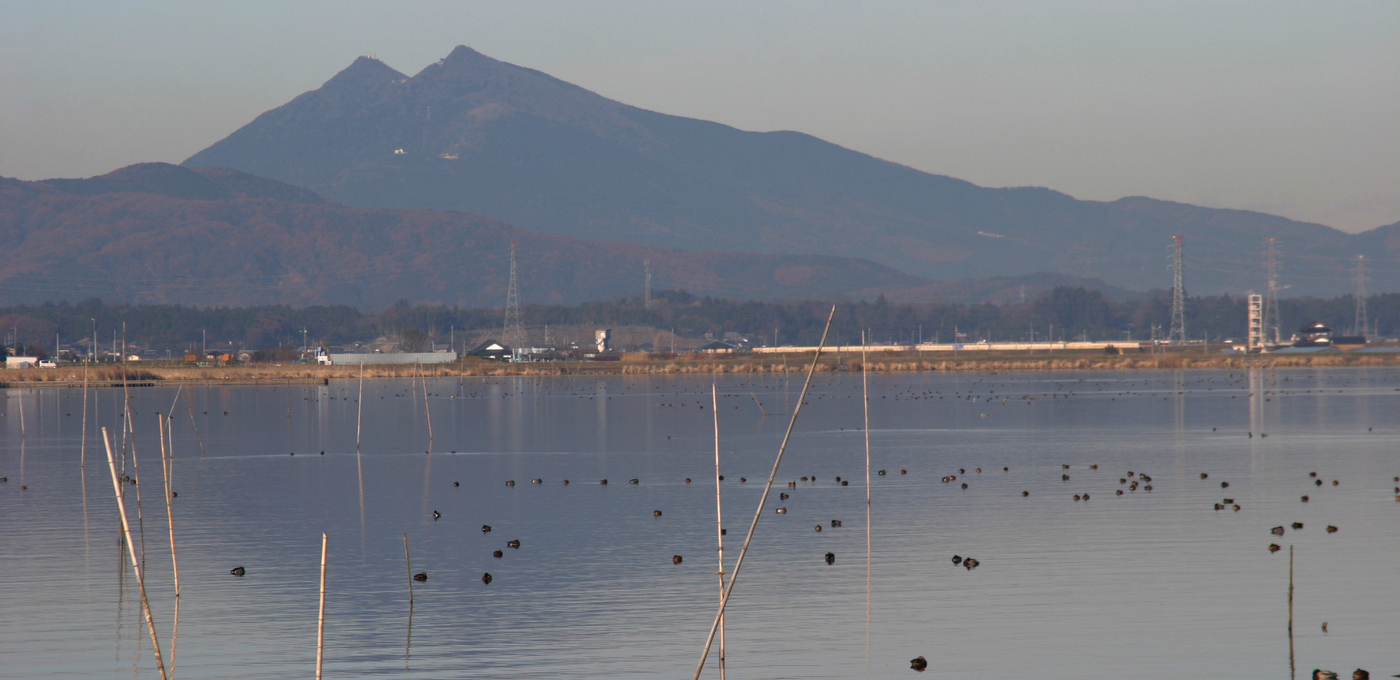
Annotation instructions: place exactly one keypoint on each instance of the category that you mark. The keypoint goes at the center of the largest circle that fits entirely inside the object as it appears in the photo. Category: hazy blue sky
(1291, 108)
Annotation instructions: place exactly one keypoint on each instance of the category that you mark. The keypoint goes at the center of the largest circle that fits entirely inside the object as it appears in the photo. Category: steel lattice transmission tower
(514, 336)
(646, 300)
(1271, 320)
(1177, 335)
(1361, 323)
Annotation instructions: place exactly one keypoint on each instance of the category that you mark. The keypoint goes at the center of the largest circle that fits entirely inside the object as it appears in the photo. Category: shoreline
(149, 375)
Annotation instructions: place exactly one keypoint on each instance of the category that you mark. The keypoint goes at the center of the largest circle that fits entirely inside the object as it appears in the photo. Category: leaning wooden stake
(760, 404)
(719, 520)
(321, 619)
(167, 460)
(733, 578)
(131, 549)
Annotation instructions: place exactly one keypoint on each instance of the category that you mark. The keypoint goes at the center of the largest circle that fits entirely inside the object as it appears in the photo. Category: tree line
(1060, 314)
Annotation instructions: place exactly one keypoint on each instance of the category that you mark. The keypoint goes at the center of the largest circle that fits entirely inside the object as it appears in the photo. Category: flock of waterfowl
(1132, 481)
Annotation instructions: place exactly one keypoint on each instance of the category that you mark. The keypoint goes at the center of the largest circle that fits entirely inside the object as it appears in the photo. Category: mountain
(162, 233)
(476, 135)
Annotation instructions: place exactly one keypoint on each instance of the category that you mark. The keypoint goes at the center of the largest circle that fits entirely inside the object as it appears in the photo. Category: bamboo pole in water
(865, 403)
(136, 472)
(131, 549)
(167, 460)
(359, 414)
(321, 618)
(760, 404)
(733, 578)
(82, 458)
(719, 520)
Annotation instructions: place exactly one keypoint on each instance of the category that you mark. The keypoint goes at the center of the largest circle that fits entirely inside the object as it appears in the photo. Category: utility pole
(1177, 334)
(1361, 325)
(514, 334)
(1270, 320)
(94, 339)
(646, 304)
(303, 339)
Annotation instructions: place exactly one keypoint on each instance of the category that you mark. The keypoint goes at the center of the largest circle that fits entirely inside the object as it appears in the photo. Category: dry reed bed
(109, 373)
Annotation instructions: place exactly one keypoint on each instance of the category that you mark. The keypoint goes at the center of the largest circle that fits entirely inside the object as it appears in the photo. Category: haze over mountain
(473, 134)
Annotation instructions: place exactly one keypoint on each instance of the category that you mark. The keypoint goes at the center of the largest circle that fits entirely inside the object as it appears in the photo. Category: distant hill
(161, 233)
(476, 135)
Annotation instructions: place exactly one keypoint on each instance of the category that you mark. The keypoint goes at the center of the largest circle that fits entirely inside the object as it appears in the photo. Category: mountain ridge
(161, 233)
(473, 134)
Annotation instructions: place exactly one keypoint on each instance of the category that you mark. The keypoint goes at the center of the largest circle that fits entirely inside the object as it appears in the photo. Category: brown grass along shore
(640, 364)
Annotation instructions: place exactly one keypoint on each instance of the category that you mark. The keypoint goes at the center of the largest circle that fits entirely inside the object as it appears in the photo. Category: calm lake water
(1152, 584)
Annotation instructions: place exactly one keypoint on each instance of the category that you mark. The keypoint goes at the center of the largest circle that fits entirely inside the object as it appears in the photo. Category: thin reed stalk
(427, 409)
(408, 565)
(131, 549)
(719, 519)
(167, 460)
(136, 471)
(190, 410)
(82, 456)
(739, 563)
(360, 403)
(321, 617)
(1292, 667)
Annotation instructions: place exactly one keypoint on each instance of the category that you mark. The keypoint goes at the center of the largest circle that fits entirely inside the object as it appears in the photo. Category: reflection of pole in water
(1256, 400)
(1292, 669)
(408, 565)
(1179, 387)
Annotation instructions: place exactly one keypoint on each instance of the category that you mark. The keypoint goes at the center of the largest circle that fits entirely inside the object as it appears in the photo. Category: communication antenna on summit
(646, 300)
(1270, 321)
(1177, 335)
(1361, 324)
(514, 336)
